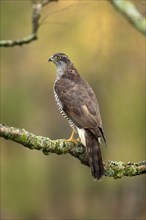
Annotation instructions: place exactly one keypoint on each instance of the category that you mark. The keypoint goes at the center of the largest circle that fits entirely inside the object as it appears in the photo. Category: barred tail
(94, 155)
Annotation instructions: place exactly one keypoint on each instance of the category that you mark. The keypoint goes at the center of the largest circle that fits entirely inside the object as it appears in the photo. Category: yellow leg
(72, 139)
(78, 139)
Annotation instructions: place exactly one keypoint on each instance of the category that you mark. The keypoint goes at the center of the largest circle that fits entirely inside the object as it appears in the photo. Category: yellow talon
(72, 139)
(78, 139)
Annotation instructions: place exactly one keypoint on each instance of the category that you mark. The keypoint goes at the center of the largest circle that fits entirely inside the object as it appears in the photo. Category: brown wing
(80, 103)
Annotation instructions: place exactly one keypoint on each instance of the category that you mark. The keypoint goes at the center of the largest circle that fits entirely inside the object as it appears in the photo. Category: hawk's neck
(60, 70)
(67, 71)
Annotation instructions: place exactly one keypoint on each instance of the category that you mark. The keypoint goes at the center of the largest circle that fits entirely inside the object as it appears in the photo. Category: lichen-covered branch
(112, 168)
(36, 14)
(129, 10)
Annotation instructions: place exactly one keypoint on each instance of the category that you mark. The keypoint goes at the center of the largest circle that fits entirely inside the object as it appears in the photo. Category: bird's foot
(78, 139)
(72, 139)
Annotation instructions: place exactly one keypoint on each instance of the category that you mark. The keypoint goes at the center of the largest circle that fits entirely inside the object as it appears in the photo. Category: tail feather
(94, 155)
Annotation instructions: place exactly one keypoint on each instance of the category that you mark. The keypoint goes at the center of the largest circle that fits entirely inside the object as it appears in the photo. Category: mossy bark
(47, 146)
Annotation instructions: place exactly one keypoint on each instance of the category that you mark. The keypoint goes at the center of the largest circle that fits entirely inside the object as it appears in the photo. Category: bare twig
(47, 146)
(45, 2)
(18, 42)
(129, 10)
(36, 14)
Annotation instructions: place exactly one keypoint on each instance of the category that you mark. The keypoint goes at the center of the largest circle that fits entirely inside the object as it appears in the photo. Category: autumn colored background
(110, 54)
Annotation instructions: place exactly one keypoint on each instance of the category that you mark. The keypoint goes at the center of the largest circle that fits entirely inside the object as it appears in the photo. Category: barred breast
(60, 107)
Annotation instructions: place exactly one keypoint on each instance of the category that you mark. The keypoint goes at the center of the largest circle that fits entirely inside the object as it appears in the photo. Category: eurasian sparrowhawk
(78, 104)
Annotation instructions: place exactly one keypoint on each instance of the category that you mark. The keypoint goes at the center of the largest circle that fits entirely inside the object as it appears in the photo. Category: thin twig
(36, 15)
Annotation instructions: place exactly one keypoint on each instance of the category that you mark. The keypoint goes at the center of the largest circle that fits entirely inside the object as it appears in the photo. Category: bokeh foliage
(110, 54)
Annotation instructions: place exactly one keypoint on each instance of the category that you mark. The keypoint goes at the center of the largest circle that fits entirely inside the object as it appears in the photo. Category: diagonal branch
(36, 15)
(47, 146)
(131, 13)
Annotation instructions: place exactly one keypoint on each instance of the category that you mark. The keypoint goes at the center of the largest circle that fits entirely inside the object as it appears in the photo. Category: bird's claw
(72, 139)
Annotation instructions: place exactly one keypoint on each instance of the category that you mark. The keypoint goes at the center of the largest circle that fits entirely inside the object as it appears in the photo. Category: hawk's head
(64, 66)
(59, 59)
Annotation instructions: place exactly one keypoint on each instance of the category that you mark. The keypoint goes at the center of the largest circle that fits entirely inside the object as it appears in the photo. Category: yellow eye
(58, 57)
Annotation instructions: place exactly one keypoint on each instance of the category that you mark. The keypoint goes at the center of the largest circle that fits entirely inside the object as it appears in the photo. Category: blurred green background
(110, 54)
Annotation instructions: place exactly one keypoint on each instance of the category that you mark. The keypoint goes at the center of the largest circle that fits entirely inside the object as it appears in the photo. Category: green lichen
(130, 170)
(24, 138)
(112, 168)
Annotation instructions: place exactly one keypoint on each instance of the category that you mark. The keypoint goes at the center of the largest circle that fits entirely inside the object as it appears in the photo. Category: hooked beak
(50, 59)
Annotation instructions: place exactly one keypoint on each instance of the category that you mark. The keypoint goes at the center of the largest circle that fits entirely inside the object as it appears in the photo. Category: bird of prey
(78, 104)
